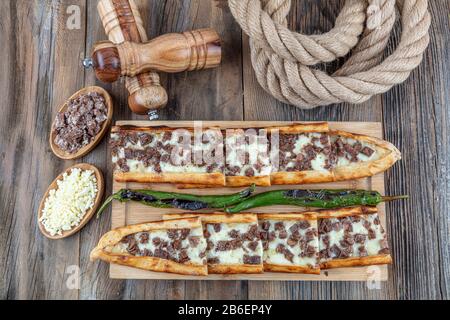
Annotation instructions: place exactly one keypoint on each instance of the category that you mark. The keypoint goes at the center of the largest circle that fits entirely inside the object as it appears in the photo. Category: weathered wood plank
(206, 95)
(68, 48)
(41, 68)
(41, 73)
(416, 120)
(104, 287)
(94, 283)
(416, 117)
(214, 94)
(308, 17)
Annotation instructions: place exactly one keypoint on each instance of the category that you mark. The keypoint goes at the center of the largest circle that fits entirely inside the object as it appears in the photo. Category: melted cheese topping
(302, 141)
(193, 253)
(186, 162)
(236, 148)
(343, 161)
(236, 256)
(271, 256)
(373, 246)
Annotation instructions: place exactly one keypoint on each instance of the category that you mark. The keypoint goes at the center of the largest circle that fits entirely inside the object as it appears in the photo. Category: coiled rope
(283, 60)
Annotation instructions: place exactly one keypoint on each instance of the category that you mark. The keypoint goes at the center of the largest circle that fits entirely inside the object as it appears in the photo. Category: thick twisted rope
(283, 59)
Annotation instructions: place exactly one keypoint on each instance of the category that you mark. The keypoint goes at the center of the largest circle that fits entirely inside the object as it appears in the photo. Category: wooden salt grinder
(122, 22)
(174, 52)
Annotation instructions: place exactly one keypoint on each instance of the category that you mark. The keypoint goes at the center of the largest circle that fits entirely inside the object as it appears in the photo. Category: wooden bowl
(88, 215)
(87, 148)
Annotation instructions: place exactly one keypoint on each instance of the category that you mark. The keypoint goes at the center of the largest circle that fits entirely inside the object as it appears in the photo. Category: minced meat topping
(290, 242)
(233, 243)
(241, 155)
(306, 151)
(356, 236)
(247, 155)
(162, 152)
(179, 245)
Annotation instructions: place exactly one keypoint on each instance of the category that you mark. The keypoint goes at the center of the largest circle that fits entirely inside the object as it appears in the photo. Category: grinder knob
(146, 93)
(106, 62)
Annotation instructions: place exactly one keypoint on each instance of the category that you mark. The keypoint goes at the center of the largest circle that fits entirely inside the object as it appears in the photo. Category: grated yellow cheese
(66, 206)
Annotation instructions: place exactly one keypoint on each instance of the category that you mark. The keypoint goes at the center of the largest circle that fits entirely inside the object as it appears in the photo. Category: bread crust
(215, 178)
(367, 169)
(235, 268)
(153, 264)
(290, 269)
(216, 217)
(243, 181)
(307, 215)
(389, 156)
(345, 212)
(160, 129)
(231, 182)
(294, 128)
(301, 128)
(113, 237)
(187, 186)
(357, 262)
(301, 177)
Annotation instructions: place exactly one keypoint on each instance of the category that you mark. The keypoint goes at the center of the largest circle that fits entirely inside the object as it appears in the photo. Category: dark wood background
(40, 68)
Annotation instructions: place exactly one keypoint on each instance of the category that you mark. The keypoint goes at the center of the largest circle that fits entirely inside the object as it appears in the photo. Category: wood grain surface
(134, 213)
(41, 68)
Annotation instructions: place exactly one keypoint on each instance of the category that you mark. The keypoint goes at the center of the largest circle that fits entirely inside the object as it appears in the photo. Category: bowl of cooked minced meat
(81, 123)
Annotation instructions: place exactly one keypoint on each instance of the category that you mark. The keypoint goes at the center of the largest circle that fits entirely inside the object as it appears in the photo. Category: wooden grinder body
(122, 22)
(171, 53)
(174, 52)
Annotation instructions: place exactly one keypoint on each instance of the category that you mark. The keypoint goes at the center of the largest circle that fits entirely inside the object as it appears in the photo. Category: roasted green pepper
(326, 199)
(183, 201)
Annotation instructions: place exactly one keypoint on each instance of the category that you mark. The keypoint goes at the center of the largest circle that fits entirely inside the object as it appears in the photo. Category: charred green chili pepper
(326, 199)
(160, 199)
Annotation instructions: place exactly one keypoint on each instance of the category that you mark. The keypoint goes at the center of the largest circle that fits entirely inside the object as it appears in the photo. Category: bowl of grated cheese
(70, 201)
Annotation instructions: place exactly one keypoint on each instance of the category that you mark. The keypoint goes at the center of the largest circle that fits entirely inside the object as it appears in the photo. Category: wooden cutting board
(133, 213)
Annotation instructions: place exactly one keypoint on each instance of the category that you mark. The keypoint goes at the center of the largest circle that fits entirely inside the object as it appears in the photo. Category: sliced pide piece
(248, 152)
(325, 156)
(290, 242)
(352, 237)
(175, 246)
(358, 156)
(158, 154)
(306, 153)
(303, 154)
(233, 243)
(247, 157)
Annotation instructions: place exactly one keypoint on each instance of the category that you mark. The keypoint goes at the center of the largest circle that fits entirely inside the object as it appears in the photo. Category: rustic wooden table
(41, 67)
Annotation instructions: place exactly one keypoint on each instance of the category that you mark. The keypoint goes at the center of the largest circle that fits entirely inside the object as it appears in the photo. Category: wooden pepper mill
(175, 52)
(122, 22)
